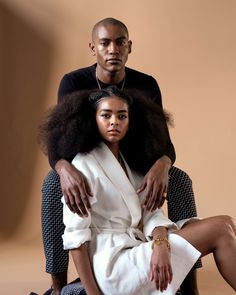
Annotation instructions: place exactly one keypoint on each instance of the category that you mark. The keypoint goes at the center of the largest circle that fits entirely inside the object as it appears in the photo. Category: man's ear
(92, 48)
(130, 46)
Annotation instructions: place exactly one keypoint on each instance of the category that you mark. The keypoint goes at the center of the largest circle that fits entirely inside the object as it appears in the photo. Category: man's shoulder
(83, 78)
(137, 79)
(82, 72)
(137, 74)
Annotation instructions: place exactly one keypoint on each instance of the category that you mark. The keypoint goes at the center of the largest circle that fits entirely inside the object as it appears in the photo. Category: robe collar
(113, 170)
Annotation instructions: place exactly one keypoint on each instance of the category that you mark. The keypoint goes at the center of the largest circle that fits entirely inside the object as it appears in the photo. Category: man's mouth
(114, 60)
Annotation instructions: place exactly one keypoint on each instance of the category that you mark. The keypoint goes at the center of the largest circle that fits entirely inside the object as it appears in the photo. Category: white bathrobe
(120, 253)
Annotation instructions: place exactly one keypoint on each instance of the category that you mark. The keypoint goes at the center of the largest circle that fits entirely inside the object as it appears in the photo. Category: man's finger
(86, 202)
(68, 203)
(80, 206)
(154, 197)
(85, 197)
(146, 198)
(87, 190)
(159, 204)
(142, 187)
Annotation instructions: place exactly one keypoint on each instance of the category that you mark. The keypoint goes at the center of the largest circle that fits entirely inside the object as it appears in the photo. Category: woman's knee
(226, 225)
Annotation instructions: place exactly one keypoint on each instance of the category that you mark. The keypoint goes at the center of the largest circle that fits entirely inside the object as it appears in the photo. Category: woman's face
(112, 117)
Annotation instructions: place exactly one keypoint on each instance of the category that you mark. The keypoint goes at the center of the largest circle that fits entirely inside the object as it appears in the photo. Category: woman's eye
(122, 116)
(105, 116)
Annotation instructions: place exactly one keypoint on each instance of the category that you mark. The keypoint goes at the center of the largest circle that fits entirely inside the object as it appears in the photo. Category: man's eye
(104, 43)
(121, 43)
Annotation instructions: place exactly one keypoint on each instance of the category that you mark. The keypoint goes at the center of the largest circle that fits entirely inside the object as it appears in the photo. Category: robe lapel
(113, 170)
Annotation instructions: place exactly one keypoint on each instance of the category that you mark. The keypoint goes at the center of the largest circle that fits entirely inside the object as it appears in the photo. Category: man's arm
(157, 98)
(155, 184)
(156, 180)
(67, 86)
(74, 188)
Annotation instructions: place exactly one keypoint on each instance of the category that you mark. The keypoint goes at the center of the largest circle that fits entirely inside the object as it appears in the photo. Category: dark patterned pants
(181, 205)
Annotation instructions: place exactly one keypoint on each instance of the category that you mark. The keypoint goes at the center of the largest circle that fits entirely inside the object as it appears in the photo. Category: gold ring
(164, 195)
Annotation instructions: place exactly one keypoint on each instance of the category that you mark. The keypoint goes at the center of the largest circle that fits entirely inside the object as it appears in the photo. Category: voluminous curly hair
(71, 128)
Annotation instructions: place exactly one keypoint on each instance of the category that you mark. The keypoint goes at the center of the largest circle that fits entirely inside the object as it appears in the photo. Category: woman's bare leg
(215, 235)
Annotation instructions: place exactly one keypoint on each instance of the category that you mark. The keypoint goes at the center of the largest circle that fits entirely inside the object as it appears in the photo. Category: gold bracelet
(159, 241)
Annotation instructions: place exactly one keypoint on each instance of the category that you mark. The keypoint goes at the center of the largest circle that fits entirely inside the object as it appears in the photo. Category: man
(111, 47)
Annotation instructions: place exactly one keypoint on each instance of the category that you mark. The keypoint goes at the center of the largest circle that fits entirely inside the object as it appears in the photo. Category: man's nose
(113, 48)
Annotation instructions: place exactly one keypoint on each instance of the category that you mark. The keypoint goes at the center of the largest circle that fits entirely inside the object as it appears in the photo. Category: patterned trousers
(181, 205)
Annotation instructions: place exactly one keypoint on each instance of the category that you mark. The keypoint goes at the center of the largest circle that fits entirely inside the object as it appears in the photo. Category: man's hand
(74, 188)
(155, 184)
(161, 271)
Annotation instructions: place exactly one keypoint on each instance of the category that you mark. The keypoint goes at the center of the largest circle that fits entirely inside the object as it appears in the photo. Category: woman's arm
(161, 271)
(83, 266)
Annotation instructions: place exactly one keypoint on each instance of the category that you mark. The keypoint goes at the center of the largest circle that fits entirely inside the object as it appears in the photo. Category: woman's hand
(155, 184)
(74, 188)
(161, 271)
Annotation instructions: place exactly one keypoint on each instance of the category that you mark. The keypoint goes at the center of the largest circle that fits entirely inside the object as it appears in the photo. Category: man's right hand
(74, 188)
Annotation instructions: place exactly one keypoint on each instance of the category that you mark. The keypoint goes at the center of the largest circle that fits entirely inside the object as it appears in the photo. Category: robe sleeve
(77, 229)
(154, 219)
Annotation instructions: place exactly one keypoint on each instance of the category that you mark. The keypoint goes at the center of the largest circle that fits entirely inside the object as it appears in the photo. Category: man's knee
(179, 175)
(51, 188)
(51, 181)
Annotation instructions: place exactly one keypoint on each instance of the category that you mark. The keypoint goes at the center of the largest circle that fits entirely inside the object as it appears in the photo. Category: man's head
(111, 45)
(109, 21)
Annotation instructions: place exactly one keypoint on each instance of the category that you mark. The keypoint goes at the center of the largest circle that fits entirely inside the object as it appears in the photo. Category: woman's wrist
(160, 241)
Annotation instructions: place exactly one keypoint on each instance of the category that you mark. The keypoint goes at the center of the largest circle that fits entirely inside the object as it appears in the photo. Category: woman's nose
(114, 121)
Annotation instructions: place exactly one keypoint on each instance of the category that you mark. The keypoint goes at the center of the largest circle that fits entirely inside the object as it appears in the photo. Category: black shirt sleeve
(66, 86)
(80, 79)
(157, 98)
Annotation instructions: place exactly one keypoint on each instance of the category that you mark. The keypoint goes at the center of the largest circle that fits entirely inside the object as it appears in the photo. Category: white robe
(120, 253)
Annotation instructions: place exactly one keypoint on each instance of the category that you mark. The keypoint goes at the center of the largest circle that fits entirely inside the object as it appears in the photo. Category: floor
(22, 271)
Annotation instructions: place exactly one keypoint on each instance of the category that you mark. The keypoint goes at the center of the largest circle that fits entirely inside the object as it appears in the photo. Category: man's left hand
(155, 184)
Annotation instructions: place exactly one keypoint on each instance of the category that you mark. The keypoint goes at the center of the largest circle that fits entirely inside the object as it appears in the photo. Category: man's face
(111, 47)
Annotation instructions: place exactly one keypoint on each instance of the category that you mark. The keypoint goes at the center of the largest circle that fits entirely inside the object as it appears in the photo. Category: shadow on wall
(25, 58)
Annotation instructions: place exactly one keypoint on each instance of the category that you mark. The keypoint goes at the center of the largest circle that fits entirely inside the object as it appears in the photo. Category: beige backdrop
(187, 45)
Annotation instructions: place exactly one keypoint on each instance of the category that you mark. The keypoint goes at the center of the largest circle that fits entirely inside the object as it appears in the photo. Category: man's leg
(181, 205)
(52, 229)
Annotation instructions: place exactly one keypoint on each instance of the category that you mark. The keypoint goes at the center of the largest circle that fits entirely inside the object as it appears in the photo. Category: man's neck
(109, 77)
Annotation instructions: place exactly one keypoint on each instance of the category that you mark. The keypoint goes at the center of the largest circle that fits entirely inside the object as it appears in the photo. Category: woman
(119, 248)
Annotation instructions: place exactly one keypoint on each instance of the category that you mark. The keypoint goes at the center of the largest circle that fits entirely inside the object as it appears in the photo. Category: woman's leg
(215, 235)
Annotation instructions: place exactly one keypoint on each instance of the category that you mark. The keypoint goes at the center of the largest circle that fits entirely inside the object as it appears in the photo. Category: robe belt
(133, 232)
